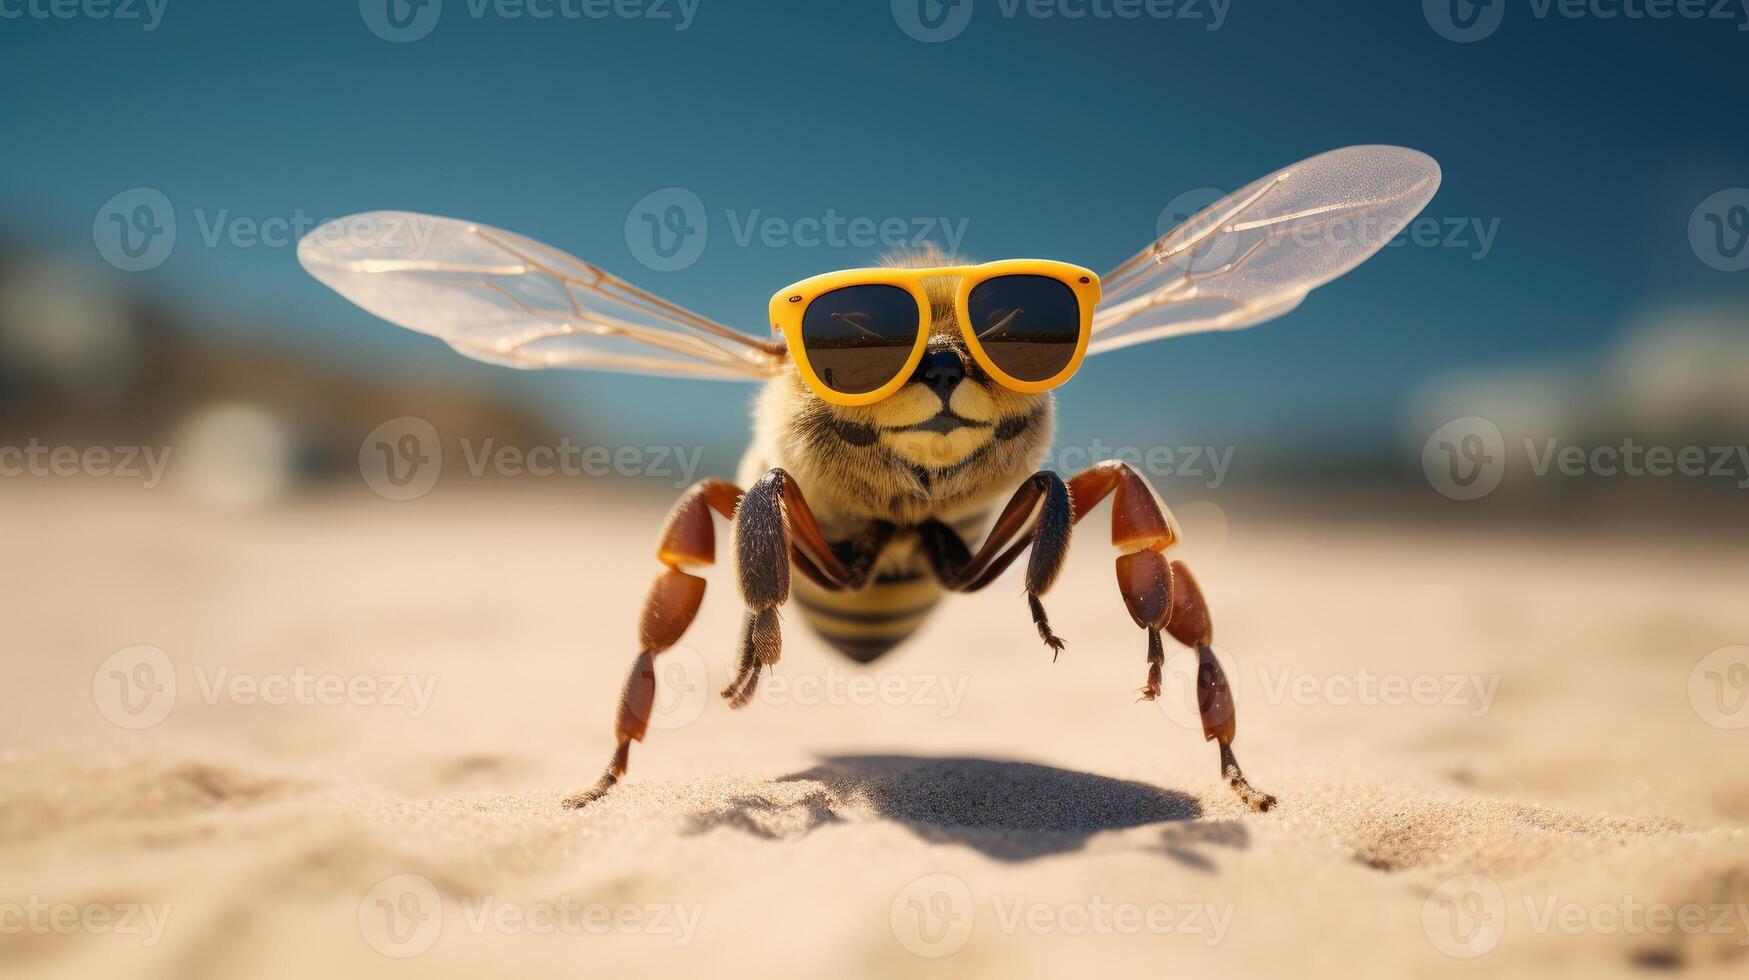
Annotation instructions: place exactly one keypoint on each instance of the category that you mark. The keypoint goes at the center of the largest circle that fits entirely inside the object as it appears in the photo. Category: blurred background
(1577, 282)
(1511, 451)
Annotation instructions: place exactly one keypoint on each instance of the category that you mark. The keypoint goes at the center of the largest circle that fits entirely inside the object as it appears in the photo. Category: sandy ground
(342, 750)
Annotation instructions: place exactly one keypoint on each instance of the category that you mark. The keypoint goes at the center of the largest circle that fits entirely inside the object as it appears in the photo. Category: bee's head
(950, 409)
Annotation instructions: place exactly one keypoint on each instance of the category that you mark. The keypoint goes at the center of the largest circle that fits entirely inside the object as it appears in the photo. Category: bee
(904, 408)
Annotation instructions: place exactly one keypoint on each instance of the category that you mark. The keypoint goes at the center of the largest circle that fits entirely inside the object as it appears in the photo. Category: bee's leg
(1159, 595)
(1190, 625)
(687, 539)
(1163, 595)
(1017, 528)
(774, 526)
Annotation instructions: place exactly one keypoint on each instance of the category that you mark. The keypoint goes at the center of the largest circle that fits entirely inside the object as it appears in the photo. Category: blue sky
(1575, 152)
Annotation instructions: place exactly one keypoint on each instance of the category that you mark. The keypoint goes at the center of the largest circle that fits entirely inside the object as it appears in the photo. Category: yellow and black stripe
(863, 625)
(867, 623)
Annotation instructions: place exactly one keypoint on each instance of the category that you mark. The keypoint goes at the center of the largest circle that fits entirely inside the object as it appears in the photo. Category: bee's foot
(740, 691)
(1043, 622)
(1254, 798)
(577, 801)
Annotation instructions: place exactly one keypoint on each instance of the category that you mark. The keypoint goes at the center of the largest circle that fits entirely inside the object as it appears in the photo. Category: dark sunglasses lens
(1029, 325)
(859, 337)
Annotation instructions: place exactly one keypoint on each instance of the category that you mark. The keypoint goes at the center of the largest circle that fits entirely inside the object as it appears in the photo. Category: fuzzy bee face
(945, 443)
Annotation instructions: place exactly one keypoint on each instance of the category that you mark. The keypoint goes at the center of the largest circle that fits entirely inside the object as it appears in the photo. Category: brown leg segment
(1191, 626)
(687, 539)
(772, 527)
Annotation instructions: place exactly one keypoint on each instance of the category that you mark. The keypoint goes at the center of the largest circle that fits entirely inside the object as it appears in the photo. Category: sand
(1485, 745)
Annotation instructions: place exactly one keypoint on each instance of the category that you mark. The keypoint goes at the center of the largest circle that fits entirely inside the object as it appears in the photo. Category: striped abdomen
(863, 625)
(866, 623)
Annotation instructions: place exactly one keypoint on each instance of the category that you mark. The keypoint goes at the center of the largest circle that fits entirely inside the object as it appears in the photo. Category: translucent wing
(509, 300)
(1254, 254)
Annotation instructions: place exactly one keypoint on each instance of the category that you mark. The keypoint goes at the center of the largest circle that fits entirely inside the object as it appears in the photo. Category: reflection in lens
(858, 338)
(1028, 325)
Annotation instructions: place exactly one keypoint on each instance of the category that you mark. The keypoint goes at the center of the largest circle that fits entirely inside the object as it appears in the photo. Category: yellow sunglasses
(858, 335)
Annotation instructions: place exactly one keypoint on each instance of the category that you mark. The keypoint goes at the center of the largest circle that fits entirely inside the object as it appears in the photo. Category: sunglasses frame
(789, 306)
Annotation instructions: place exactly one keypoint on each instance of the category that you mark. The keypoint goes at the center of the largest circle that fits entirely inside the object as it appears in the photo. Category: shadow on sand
(1010, 811)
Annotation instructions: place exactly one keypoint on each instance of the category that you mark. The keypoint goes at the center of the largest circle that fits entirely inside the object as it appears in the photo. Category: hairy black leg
(774, 526)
